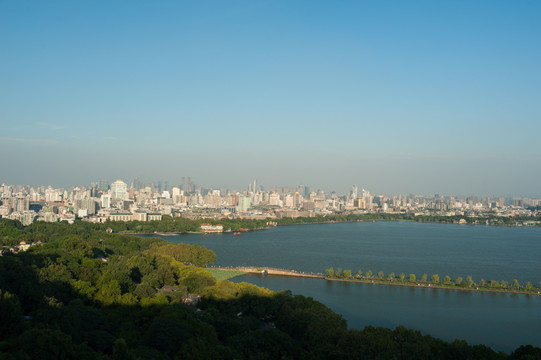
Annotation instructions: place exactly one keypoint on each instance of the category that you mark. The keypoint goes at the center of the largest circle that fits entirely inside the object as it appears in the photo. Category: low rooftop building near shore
(209, 228)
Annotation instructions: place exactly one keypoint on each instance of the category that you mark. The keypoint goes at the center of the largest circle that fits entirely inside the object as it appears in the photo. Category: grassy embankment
(224, 274)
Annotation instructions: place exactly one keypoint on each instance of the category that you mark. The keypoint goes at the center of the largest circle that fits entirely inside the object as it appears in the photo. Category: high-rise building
(289, 201)
(177, 194)
(119, 190)
(359, 203)
(190, 187)
(52, 195)
(274, 199)
(89, 205)
(244, 203)
(22, 204)
(138, 184)
(105, 201)
(103, 185)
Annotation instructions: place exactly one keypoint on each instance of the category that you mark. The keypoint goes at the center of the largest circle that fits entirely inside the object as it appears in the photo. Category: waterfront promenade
(271, 271)
(373, 281)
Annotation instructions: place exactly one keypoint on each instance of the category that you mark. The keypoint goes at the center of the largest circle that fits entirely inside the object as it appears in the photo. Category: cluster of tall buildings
(103, 201)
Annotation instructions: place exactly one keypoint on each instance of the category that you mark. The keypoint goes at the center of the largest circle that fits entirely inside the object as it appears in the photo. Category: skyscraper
(103, 186)
(244, 203)
(119, 190)
(190, 185)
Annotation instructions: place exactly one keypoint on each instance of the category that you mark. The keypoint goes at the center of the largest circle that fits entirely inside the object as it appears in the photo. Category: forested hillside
(82, 293)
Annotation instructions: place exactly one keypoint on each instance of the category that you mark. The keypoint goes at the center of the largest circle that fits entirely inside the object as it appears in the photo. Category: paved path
(272, 271)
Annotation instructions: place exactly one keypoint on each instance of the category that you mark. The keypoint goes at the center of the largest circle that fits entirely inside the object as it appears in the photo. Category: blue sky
(418, 96)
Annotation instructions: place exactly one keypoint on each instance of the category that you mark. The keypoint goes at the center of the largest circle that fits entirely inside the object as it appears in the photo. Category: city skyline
(147, 202)
(417, 97)
(188, 186)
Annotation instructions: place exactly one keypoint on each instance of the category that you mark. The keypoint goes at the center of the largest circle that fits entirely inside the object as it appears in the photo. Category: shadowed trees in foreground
(87, 294)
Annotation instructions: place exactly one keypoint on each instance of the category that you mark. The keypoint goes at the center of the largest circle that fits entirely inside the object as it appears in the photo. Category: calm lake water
(502, 321)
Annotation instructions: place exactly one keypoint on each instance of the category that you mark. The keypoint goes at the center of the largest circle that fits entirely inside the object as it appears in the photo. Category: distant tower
(119, 190)
(355, 192)
(254, 188)
(137, 183)
(103, 186)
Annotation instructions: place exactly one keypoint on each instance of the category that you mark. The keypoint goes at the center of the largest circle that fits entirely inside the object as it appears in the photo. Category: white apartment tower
(119, 190)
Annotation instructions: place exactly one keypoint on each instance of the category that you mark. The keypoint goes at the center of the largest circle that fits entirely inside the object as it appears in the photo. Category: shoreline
(293, 273)
(432, 286)
(409, 221)
(174, 233)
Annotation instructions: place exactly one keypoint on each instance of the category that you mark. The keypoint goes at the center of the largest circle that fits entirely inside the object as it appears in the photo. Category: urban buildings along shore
(116, 201)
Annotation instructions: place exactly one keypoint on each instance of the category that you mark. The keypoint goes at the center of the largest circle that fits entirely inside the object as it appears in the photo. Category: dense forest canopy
(83, 293)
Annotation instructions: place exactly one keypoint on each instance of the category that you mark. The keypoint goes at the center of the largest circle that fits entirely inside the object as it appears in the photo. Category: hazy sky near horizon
(394, 96)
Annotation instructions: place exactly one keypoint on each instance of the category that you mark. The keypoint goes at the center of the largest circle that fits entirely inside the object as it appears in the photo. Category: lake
(502, 321)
